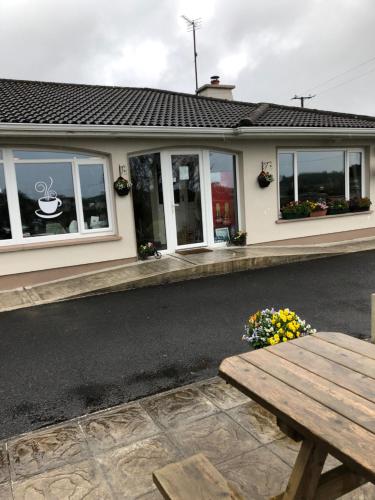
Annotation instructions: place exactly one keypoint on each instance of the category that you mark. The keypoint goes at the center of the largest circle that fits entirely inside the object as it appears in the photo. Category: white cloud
(270, 49)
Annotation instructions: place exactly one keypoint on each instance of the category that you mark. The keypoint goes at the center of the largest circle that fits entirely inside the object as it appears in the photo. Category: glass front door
(187, 199)
(184, 199)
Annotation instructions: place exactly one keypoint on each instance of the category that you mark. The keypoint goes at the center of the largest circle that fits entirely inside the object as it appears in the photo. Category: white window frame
(9, 163)
(346, 151)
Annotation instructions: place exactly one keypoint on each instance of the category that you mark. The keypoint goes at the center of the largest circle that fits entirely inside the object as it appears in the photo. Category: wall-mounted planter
(121, 186)
(263, 181)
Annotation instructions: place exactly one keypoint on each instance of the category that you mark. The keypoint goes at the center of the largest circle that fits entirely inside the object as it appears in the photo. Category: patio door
(184, 192)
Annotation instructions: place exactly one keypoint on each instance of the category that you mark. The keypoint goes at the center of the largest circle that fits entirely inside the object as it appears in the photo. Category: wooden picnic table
(321, 388)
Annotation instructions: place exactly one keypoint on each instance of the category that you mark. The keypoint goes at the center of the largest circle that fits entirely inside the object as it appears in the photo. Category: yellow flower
(273, 321)
(298, 334)
(285, 339)
(281, 331)
(278, 325)
(290, 335)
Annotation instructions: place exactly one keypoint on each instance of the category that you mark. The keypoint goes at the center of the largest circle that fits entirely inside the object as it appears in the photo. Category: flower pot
(263, 181)
(359, 209)
(337, 211)
(318, 213)
(293, 216)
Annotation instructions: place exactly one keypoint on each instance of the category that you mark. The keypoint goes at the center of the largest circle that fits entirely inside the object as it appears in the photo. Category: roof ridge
(152, 89)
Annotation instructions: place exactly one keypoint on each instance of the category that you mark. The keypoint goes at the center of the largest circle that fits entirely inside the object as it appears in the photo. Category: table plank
(338, 374)
(350, 405)
(348, 342)
(350, 359)
(344, 439)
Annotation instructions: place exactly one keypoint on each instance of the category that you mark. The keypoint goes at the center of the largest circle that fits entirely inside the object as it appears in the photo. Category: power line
(341, 74)
(347, 81)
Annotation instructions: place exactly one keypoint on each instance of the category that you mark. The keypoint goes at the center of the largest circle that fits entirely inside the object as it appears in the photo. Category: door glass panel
(224, 200)
(148, 200)
(46, 197)
(187, 199)
(94, 201)
(5, 231)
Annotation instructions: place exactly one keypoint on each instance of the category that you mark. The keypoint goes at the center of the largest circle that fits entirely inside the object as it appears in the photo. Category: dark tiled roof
(62, 103)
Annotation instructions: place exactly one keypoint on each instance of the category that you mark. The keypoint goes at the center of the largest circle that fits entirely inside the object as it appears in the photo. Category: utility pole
(193, 25)
(302, 98)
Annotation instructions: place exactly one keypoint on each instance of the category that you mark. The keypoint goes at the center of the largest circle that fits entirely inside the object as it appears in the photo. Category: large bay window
(320, 174)
(48, 195)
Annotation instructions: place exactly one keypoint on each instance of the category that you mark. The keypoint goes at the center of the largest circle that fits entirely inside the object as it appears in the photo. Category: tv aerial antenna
(194, 25)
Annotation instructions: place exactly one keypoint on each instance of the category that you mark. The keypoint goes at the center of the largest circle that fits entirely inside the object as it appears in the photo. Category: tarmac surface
(62, 360)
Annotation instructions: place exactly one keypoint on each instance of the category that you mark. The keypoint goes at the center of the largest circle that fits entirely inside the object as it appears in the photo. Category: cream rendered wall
(258, 207)
(117, 151)
(261, 205)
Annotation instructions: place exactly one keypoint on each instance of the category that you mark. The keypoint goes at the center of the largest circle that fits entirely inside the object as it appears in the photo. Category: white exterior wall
(258, 208)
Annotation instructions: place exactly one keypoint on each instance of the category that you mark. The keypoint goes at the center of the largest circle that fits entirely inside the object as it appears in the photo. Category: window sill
(323, 217)
(59, 243)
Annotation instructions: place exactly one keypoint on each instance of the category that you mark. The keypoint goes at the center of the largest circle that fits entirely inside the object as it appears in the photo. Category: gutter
(56, 130)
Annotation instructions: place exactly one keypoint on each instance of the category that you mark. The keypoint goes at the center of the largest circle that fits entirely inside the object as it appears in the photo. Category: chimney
(216, 89)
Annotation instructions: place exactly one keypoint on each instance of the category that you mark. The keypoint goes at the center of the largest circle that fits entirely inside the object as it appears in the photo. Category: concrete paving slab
(127, 445)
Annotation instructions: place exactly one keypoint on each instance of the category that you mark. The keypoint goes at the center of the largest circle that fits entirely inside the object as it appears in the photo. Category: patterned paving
(111, 454)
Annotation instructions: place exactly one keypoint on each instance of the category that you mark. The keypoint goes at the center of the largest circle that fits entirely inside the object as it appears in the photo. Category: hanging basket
(263, 181)
(122, 186)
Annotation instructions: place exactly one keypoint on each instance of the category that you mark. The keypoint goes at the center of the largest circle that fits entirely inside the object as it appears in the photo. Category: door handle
(176, 204)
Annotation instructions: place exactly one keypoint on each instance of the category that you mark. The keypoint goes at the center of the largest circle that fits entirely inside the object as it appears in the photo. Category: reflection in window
(286, 176)
(224, 199)
(5, 231)
(46, 197)
(355, 174)
(321, 175)
(148, 199)
(94, 201)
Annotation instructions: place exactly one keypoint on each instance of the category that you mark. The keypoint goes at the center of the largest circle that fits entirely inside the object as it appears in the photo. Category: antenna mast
(302, 98)
(193, 25)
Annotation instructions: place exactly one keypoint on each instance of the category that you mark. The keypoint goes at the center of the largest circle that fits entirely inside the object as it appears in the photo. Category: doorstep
(173, 268)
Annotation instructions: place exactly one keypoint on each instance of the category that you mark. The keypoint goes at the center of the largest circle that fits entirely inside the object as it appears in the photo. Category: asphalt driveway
(62, 360)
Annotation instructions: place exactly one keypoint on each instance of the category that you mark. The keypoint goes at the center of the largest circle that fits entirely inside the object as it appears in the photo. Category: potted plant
(238, 238)
(122, 186)
(265, 178)
(339, 206)
(147, 250)
(358, 204)
(295, 210)
(318, 208)
(271, 326)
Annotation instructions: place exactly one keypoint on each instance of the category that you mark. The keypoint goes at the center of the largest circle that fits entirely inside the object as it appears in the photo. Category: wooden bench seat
(194, 478)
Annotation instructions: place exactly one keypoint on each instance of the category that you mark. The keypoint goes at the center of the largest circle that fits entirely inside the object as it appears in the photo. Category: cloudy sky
(269, 49)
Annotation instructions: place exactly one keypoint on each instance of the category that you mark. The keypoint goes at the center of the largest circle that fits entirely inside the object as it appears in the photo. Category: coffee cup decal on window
(49, 203)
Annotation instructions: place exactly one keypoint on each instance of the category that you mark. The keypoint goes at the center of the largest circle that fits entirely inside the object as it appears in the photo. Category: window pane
(321, 175)
(355, 174)
(93, 196)
(148, 199)
(286, 178)
(1, 154)
(24, 154)
(5, 231)
(224, 196)
(46, 197)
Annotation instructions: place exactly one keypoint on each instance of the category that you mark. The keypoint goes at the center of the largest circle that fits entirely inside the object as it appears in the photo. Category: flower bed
(269, 327)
